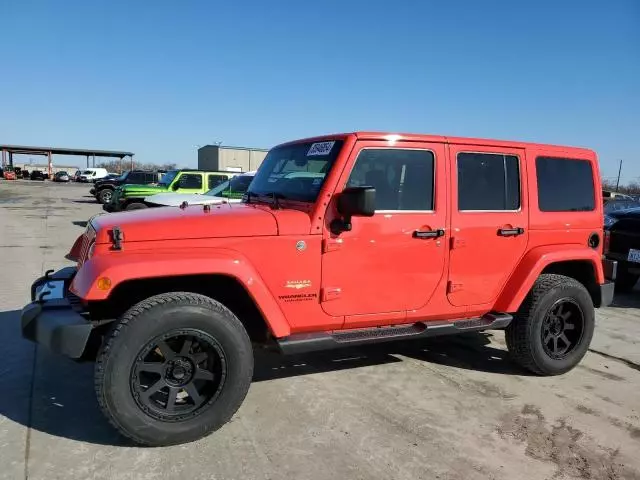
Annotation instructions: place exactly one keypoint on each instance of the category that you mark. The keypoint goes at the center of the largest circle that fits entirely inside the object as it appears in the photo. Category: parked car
(231, 190)
(103, 189)
(93, 174)
(38, 175)
(616, 206)
(622, 244)
(26, 174)
(132, 197)
(9, 174)
(61, 177)
(380, 242)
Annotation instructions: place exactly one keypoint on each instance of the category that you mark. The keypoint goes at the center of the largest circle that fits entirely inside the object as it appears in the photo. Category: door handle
(510, 232)
(426, 234)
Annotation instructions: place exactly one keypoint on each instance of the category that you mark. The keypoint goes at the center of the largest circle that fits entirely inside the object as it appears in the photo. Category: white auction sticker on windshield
(320, 148)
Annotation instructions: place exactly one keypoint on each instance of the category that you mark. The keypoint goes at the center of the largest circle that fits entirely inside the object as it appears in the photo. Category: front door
(394, 260)
(489, 221)
(189, 183)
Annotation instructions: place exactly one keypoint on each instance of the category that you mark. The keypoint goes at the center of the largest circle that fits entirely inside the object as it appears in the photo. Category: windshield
(87, 172)
(296, 171)
(235, 187)
(168, 177)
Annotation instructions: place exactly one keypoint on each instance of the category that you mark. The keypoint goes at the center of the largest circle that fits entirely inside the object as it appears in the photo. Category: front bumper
(57, 323)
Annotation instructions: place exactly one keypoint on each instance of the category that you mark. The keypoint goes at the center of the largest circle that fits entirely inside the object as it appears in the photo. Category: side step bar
(311, 342)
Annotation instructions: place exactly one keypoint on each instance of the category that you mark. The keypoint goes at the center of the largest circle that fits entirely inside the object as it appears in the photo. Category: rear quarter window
(565, 185)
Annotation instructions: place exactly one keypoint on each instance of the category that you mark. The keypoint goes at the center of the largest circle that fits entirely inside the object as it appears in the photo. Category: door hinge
(457, 242)
(331, 245)
(453, 287)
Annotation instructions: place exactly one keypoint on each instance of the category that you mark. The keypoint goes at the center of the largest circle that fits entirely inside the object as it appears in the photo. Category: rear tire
(135, 206)
(104, 195)
(625, 281)
(191, 352)
(553, 328)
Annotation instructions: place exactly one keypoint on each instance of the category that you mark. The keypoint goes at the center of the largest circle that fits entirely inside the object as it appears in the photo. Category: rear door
(489, 221)
(215, 179)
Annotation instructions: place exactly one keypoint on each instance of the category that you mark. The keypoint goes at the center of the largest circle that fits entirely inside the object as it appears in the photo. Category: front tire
(552, 330)
(175, 368)
(104, 195)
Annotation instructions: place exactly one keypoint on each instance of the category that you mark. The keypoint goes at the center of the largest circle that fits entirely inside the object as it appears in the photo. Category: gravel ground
(453, 408)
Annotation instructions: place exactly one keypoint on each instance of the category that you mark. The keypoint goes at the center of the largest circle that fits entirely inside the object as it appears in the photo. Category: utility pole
(618, 181)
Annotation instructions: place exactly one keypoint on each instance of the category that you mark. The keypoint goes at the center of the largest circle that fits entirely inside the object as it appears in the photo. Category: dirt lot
(445, 409)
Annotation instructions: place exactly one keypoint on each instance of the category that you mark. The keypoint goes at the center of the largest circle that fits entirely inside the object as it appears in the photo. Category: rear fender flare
(534, 262)
(122, 266)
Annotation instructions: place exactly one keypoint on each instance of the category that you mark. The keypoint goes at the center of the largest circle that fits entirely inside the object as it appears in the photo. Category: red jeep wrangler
(340, 240)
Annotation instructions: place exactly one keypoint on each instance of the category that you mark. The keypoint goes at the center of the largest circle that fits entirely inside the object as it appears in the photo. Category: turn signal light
(104, 283)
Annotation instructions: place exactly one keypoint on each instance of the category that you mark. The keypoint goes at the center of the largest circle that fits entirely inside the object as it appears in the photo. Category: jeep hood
(194, 222)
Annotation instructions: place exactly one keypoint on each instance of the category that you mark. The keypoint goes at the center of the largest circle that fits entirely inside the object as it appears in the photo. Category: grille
(88, 237)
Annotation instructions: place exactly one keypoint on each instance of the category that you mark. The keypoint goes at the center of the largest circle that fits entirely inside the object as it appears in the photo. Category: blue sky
(159, 78)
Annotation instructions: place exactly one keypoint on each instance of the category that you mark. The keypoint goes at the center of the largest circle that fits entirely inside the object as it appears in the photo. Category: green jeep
(131, 197)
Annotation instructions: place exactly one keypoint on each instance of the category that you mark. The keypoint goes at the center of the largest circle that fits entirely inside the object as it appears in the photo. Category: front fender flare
(532, 265)
(122, 266)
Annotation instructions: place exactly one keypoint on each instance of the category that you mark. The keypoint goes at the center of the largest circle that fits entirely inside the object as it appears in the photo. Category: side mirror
(354, 202)
(175, 186)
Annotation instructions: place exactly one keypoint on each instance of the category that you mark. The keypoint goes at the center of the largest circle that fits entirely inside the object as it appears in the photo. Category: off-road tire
(135, 206)
(147, 320)
(625, 281)
(524, 334)
(104, 195)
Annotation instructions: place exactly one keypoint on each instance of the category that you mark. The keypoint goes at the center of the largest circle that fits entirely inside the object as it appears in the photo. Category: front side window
(403, 178)
(190, 180)
(168, 177)
(565, 185)
(136, 177)
(296, 171)
(488, 182)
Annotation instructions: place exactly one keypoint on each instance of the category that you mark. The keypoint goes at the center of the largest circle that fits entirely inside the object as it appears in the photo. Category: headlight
(609, 221)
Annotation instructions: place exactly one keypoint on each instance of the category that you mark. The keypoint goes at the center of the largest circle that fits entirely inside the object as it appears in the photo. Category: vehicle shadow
(82, 224)
(54, 395)
(85, 201)
(627, 300)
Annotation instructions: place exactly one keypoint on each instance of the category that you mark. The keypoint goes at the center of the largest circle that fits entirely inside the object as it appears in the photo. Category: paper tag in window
(320, 148)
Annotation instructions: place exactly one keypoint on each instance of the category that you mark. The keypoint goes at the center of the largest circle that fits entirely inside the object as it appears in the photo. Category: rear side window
(215, 180)
(403, 179)
(191, 180)
(488, 181)
(565, 185)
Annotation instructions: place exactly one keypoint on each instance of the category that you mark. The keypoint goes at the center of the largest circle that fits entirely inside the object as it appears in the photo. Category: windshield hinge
(117, 238)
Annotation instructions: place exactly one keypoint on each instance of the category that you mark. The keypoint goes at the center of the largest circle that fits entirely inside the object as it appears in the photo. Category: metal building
(230, 159)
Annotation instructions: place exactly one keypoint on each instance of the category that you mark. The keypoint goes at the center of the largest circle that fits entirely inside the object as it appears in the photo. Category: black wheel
(625, 281)
(552, 330)
(104, 195)
(135, 206)
(174, 368)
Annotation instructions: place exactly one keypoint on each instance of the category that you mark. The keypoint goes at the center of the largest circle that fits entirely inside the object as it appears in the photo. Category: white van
(92, 174)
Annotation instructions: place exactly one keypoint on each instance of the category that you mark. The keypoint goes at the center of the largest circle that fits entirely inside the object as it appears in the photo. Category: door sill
(312, 342)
